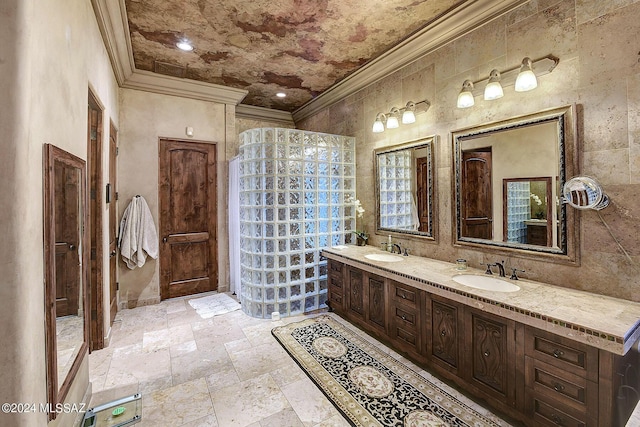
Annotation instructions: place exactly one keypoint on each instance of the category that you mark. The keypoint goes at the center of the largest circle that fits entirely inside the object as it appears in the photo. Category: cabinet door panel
(377, 304)
(444, 332)
(489, 353)
(356, 293)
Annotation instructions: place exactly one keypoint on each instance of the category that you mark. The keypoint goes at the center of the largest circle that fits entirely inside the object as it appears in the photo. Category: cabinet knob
(443, 333)
(558, 387)
(404, 317)
(557, 353)
(486, 353)
(403, 296)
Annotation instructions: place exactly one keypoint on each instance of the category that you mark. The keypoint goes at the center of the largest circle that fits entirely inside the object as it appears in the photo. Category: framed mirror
(507, 184)
(66, 299)
(405, 188)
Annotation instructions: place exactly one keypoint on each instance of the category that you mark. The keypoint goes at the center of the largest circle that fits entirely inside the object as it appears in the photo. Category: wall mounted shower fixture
(406, 114)
(523, 77)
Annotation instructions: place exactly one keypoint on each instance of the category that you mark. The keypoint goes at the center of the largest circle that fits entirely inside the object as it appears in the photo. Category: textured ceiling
(300, 47)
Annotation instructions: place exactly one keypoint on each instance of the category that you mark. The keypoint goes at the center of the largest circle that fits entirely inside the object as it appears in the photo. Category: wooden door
(422, 193)
(188, 253)
(113, 226)
(95, 234)
(67, 234)
(476, 194)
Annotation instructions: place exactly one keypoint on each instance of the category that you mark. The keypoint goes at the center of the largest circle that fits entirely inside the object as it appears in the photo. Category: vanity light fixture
(523, 77)
(406, 114)
(392, 119)
(493, 89)
(378, 125)
(465, 98)
(526, 79)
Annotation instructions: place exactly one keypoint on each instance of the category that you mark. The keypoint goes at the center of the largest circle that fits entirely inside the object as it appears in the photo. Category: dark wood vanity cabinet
(443, 335)
(534, 376)
(491, 357)
(336, 285)
(364, 299)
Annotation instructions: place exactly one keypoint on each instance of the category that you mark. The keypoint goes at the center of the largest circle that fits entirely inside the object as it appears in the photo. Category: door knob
(72, 247)
(164, 240)
(112, 254)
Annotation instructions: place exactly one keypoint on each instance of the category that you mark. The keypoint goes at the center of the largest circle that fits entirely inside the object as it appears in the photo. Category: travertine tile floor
(193, 372)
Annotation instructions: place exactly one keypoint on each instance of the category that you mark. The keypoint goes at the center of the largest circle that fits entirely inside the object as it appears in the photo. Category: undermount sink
(383, 257)
(486, 282)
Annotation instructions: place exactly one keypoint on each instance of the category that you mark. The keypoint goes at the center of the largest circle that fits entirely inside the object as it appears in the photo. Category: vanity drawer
(335, 267)
(561, 387)
(574, 357)
(543, 412)
(336, 282)
(404, 294)
(405, 317)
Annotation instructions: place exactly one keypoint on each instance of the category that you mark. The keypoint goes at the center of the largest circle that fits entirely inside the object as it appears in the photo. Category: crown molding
(112, 22)
(168, 85)
(252, 112)
(448, 27)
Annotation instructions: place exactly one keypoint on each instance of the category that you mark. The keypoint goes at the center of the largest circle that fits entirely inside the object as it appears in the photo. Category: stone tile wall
(599, 71)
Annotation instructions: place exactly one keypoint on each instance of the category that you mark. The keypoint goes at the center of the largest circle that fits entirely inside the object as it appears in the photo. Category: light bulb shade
(493, 90)
(392, 122)
(378, 126)
(526, 79)
(408, 117)
(465, 98)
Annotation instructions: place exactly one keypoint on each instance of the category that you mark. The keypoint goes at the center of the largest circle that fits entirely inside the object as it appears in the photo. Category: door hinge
(93, 194)
(116, 195)
(93, 254)
(117, 286)
(94, 134)
(117, 150)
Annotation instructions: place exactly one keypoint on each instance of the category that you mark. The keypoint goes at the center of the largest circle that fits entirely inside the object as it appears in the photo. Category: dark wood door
(422, 193)
(476, 194)
(188, 253)
(67, 232)
(113, 226)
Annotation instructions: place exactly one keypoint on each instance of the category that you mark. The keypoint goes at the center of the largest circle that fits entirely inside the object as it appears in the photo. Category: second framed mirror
(405, 188)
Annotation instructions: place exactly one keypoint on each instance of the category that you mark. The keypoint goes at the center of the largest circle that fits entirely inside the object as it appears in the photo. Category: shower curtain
(234, 225)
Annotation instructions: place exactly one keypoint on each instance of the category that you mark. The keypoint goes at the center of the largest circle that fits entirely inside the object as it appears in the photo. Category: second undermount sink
(383, 257)
(488, 283)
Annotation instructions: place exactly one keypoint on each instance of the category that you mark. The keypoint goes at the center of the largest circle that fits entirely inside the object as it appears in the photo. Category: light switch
(189, 131)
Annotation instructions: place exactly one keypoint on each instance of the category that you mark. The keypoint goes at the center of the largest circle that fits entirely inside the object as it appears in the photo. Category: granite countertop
(608, 323)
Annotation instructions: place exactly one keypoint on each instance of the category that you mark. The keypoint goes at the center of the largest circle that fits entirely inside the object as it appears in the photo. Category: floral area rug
(370, 387)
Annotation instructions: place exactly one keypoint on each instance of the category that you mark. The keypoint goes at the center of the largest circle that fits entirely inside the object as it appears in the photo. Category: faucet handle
(489, 265)
(406, 251)
(514, 276)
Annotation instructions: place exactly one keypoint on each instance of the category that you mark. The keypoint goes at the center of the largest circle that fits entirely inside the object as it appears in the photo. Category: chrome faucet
(395, 246)
(500, 266)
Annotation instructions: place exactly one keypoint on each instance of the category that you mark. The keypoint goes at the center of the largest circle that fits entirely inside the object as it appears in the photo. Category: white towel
(138, 236)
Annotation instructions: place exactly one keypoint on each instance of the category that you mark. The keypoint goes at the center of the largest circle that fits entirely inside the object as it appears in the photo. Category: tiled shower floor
(193, 372)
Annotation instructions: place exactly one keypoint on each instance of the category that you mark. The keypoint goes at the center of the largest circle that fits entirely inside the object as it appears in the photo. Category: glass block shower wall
(518, 210)
(397, 208)
(297, 190)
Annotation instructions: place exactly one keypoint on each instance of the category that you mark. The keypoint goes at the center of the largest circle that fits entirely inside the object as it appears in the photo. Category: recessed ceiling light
(281, 95)
(186, 46)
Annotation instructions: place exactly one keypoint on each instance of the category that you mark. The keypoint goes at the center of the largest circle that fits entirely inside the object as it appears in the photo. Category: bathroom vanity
(542, 354)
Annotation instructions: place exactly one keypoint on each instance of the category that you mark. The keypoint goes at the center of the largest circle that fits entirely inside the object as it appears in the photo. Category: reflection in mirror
(404, 188)
(507, 179)
(64, 269)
